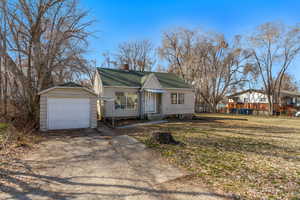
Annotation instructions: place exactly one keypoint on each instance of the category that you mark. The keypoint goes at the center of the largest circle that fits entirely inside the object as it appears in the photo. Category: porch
(152, 104)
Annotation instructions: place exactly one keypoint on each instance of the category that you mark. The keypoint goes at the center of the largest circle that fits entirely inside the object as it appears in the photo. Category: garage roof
(70, 85)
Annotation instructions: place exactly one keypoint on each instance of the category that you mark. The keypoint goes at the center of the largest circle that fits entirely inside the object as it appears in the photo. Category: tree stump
(164, 138)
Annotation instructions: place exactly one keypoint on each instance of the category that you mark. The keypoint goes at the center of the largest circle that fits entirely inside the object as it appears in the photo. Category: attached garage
(67, 107)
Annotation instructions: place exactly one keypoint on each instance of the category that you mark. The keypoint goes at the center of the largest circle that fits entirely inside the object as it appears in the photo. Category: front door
(150, 102)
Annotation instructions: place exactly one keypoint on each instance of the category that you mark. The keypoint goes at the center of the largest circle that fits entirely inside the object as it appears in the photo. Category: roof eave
(63, 87)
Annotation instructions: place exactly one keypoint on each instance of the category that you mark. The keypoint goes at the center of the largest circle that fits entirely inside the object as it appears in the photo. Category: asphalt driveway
(90, 166)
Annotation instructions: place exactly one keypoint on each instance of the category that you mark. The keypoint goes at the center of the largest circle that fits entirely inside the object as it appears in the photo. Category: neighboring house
(257, 100)
(126, 93)
(290, 98)
(248, 99)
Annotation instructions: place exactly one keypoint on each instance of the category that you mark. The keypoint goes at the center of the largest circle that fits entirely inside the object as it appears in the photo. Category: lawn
(248, 156)
(2, 126)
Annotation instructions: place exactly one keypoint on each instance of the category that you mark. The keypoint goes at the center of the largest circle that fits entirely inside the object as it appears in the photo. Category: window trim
(177, 98)
(263, 99)
(126, 101)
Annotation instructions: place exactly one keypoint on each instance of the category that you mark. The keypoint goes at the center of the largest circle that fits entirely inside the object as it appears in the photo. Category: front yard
(248, 156)
(13, 140)
(3, 127)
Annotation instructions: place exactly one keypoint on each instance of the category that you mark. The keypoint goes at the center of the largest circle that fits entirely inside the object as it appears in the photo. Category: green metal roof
(69, 84)
(117, 77)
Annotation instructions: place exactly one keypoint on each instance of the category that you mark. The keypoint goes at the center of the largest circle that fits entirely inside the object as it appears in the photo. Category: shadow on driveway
(28, 191)
(86, 166)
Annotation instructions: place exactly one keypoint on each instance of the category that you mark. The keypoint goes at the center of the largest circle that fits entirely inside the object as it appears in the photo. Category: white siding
(252, 97)
(43, 113)
(98, 89)
(167, 108)
(187, 108)
(109, 106)
(152, 82)
(98, 86)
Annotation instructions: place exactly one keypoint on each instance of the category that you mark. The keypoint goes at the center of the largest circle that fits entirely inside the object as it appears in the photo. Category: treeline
(216, 66)
(43, 43)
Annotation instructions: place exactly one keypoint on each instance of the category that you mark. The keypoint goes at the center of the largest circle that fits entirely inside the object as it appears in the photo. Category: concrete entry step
(145, 161)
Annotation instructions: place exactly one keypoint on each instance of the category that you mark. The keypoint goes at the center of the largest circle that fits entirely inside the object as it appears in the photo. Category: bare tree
(108, 61)
(207, 61)
(289, 83)
(45, 42)
(3, 64)
(221, 68)
(274, 47)
(177, 50)
(139, 55)
(160, 68)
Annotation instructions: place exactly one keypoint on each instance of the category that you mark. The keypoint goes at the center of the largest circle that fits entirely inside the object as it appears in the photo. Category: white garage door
(68, 113)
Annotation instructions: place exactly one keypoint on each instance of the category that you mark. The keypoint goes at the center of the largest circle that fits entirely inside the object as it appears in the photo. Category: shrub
(12, 137)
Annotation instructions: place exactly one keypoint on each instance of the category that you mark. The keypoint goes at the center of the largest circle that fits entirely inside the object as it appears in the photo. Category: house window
(173, 98)
(177, 98)
(120, 102)
(126, 101)
(262, 99)
(246, 100)
(180, 98)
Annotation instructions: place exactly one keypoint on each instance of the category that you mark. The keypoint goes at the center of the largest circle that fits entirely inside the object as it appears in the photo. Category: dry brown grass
(249, 156)
(13, 139)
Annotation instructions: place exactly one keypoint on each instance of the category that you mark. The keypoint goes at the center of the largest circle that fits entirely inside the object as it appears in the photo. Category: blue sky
(121, 20)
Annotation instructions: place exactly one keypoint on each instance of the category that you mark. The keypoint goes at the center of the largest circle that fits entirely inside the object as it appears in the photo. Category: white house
(126, 93)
